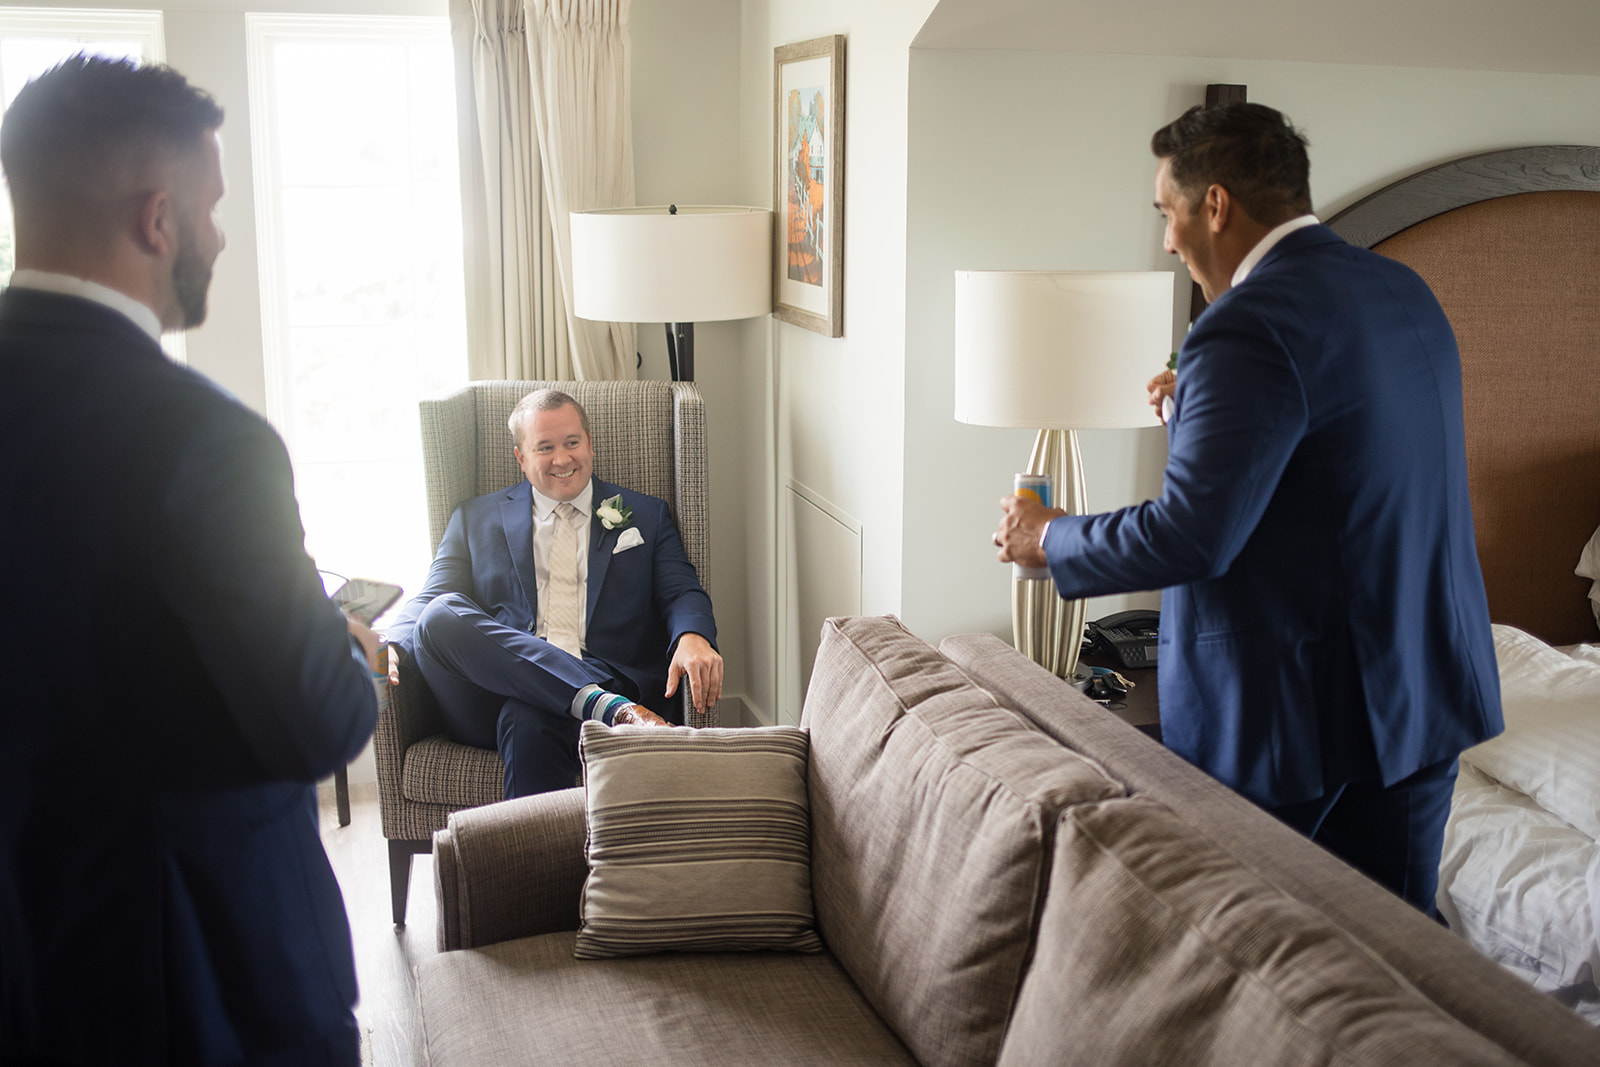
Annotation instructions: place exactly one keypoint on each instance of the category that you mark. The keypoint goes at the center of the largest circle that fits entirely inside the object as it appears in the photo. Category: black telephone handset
(1129, 637)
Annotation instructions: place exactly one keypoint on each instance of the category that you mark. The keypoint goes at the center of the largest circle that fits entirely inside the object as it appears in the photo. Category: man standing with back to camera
(176, 680)
(1325, 641)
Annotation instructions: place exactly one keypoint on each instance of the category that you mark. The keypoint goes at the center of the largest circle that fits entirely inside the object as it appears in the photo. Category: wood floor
(385, 953)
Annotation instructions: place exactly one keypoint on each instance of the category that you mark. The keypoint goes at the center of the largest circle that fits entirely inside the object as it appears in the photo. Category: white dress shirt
(65, 285)
(544, 527)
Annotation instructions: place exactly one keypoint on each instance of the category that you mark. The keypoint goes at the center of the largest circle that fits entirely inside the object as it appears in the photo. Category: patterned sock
(593, 702)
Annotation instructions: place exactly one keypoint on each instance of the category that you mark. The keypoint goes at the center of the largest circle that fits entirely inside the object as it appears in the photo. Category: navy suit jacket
(639, 600)
(175, 683)
(1324, 619)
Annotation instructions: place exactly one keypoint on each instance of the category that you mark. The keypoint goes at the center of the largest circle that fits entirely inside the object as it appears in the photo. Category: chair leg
(400, 853)
(341, 794)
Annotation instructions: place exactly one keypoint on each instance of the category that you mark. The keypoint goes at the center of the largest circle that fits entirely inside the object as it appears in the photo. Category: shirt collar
(1263, 246)
(543, 506)
(65, 285)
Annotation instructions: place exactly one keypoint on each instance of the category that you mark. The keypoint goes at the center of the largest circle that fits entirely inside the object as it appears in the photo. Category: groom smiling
(561, 599)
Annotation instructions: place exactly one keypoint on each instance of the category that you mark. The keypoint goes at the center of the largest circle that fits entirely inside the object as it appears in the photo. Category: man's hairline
(1193, 203)
(517, 439)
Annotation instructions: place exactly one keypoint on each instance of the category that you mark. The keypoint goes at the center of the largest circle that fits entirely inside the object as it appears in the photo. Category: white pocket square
(629, 538)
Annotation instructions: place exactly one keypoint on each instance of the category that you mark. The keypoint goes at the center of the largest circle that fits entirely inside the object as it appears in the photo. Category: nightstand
(1142, 706)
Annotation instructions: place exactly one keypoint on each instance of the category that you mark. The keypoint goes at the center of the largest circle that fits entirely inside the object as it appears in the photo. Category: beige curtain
(525, 67)
(515, 312)
(578, 57)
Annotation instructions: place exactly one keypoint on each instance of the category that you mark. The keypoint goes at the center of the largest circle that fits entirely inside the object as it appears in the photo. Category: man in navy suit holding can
(1326, 648)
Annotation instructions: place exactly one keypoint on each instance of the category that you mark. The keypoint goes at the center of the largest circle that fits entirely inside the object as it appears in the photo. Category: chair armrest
(700, 720)
(510, 870)
(407, 713)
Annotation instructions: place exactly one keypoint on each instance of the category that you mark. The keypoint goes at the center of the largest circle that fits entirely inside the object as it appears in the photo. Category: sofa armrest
(510, 870)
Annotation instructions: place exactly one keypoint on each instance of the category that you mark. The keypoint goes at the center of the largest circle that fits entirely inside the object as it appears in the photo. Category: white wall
(834, 407)
(686, 106)
(1040, 160)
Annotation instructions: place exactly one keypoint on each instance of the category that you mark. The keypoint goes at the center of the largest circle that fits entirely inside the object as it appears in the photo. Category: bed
(1510, 243)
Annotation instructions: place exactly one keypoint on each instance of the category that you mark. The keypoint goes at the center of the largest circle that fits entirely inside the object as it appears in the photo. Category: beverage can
(1040, 488)
(1037, 487)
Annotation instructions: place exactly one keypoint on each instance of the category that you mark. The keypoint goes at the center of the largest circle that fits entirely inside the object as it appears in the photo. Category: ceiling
(1534, 36)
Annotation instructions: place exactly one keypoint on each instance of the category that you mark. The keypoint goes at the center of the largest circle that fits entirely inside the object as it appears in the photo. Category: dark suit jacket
(1325, 618)
(640, 600)
(175, 682)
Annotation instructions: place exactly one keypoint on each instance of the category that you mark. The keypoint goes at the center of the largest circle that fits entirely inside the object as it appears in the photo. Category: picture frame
(808, 133)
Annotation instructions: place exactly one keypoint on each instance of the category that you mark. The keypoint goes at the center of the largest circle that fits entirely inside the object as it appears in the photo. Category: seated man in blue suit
(561, 599)
(175, 679)
(1325, 642)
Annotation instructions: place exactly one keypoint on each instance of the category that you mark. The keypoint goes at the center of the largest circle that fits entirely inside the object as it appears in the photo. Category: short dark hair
(1251, 150)
(78, 131)
(543, 400)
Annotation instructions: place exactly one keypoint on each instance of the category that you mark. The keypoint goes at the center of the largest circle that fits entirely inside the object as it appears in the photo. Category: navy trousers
(506, 689)
(1394, 836)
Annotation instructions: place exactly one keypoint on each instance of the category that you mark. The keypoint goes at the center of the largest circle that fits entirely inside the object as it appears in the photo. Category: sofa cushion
(933, 811)
(1156, 947)
(674, 814)
(529, 1001)
(1448, 971)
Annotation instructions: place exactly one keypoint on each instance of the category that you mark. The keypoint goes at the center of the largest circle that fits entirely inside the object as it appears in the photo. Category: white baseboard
(747, 714)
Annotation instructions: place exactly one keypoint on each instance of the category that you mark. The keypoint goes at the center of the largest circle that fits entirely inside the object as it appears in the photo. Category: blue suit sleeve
(1241, 411)
(680, 599)
(252, 603)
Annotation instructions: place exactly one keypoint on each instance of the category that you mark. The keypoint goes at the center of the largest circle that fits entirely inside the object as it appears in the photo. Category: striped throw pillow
(699, 841)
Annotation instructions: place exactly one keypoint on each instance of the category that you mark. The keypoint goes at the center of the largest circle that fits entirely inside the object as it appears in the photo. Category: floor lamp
(677, 265)
(1057, 351)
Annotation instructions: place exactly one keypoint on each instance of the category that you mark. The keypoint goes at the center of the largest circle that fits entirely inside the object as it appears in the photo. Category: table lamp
(1058, 351)
(677, 265)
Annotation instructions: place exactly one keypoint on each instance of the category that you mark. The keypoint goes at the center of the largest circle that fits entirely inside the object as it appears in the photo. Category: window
(32, 40)
(359, 228)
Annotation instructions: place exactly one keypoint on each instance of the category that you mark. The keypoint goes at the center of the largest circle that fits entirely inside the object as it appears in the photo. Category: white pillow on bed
(1589, 567)
(1551, 747)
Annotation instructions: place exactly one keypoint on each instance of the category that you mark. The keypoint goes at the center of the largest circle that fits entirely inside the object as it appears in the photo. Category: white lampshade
(1064, 350)
(642, 264)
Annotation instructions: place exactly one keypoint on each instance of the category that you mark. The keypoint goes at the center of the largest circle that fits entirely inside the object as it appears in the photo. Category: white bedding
(1520, 872)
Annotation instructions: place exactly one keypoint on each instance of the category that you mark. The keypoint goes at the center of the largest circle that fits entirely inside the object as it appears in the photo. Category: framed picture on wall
(808, 270)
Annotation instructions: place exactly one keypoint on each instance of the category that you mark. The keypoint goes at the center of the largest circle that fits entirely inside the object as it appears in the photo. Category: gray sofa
(1002, 873)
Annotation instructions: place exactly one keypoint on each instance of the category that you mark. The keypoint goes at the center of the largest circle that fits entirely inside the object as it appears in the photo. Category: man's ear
(158, 223)
(1218, 208)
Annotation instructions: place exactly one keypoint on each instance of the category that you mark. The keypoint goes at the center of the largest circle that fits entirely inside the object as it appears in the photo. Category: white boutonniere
(613, 513)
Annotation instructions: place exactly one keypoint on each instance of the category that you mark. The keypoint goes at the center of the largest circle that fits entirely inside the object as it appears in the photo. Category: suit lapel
(516, 516)
(601, 544)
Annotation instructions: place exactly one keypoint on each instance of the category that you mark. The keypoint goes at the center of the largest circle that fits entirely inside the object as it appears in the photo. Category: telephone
(1128, 637)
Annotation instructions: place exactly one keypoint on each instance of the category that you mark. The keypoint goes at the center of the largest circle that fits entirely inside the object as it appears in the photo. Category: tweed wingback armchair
(648, 436)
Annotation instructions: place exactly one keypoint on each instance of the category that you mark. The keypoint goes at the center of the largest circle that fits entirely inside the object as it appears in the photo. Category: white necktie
(562, 611)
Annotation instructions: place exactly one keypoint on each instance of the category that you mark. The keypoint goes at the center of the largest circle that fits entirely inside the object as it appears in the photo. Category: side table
(1141, 708)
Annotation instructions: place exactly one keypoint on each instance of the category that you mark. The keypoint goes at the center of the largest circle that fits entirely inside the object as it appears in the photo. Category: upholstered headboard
(1510, 243)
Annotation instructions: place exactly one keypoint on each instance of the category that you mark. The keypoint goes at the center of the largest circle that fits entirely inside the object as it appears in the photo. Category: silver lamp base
(1044, 627)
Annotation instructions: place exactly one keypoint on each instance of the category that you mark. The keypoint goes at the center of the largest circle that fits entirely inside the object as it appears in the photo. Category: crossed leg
(506, 689)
